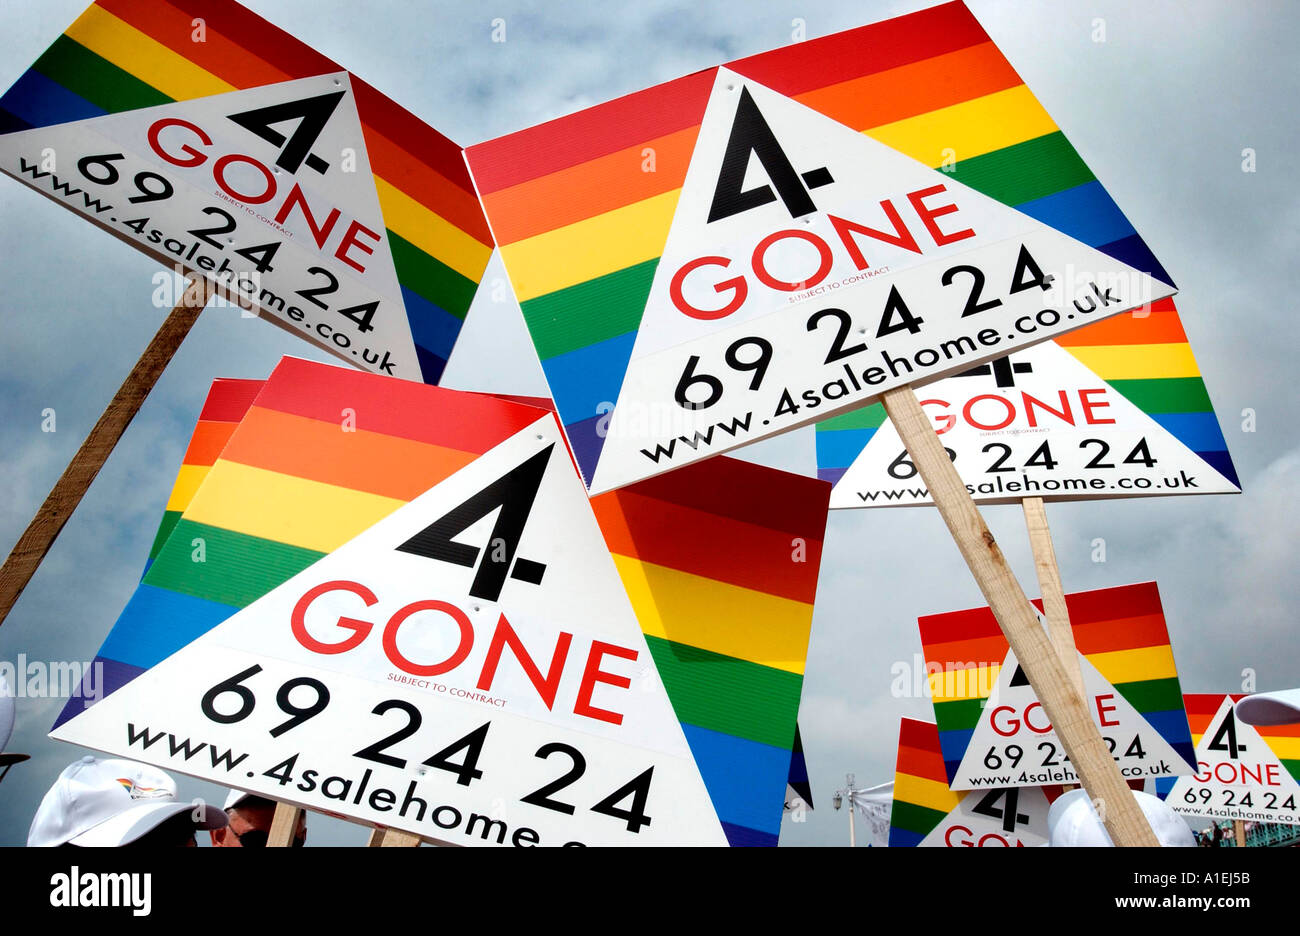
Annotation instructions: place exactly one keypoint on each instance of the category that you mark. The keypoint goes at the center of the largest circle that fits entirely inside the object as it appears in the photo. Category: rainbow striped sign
(1115, 409)
(720, 560)
(227, 402)
(1246, 772)
(992, 729)
(928, 814)
(678, 314)
(667, 582)
(165, 121)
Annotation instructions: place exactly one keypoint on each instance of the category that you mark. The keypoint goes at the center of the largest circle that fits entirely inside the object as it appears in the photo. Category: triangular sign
(1240, 772)
(1014, 744)
(471, 672)
(808, 267)
(1042, 423)
(267, 192)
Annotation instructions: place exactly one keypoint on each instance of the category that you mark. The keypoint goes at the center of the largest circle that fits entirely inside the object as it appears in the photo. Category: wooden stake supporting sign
(283, 825)
(1049, 585)
(40, 534)
(1063, 703)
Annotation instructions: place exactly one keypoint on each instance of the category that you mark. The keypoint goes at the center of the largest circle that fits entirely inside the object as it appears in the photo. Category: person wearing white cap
(249, 826)
(113, 803)
(1270, 708)
(1073, 823)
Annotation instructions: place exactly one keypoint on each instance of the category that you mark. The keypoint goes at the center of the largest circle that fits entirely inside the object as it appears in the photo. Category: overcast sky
(1161, 111)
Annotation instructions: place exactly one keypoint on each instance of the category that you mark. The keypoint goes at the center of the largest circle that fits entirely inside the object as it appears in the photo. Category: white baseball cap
(1270, 708)
(1073, 823)
(107, 803)
(238, 796)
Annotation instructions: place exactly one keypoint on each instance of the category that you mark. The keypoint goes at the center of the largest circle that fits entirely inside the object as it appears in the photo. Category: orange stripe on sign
(916, 762)
(1160, 327)
(207, 442)
(975, 651)
(918, 88)
(591, 188)
(386, 465)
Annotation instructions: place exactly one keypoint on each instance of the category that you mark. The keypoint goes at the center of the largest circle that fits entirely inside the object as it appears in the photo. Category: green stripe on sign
(958, 715)
(869, 417)
(1292, 766)
(590, 312)
(431, 278)
(1166, 394)
(728, 695)
(1153, 695)
(1016, 174)
(97, 80)
(235, 569)
(914, 817)
(169, 521)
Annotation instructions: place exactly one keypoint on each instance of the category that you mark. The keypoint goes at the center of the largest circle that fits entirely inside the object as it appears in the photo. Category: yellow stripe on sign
(969, 129)
(1137, 362)
(286, 509)
(188, 480)
(412, 221)
(149, 60)
(716, 616)
(1141, 663)
(1284, 746)
(925, 792)
(587, 249)
(955, 685)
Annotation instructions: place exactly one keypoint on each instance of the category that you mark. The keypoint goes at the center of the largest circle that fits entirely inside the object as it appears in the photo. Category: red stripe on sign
(299, 60)
(447, 199)
(1146, 630)
(919, 753)
(1126, 601)
(803, 66)
(469, 422)
(719, 548)
(1203, 703)
(208, 441)
(229, 399)
(413, 135)
(747, 492)
(958, 625)
(974, 651)
(591, 133)
(218, 54)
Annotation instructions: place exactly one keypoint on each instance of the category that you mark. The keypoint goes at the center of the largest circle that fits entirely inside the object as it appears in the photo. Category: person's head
(249, 822)
(117, 803)
(1072, 822)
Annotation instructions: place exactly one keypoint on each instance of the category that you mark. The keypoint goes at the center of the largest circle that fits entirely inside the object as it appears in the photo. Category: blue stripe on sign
(41, 101)
(582, 379)
(953, 743)
(157, 622)
(432, 326)
(1198, 431)
(1164, 785)
(832, 475)
(903, 838)
(837, 448)
(1172, 724)
(745, 779)
(1085, 212)
(431, 366)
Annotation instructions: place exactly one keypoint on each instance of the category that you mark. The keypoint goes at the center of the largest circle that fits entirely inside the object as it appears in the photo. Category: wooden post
(40, 534)
(391, 838)
(1065, 706)
(1239, 832)
(1049, 586)
(283, 825)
